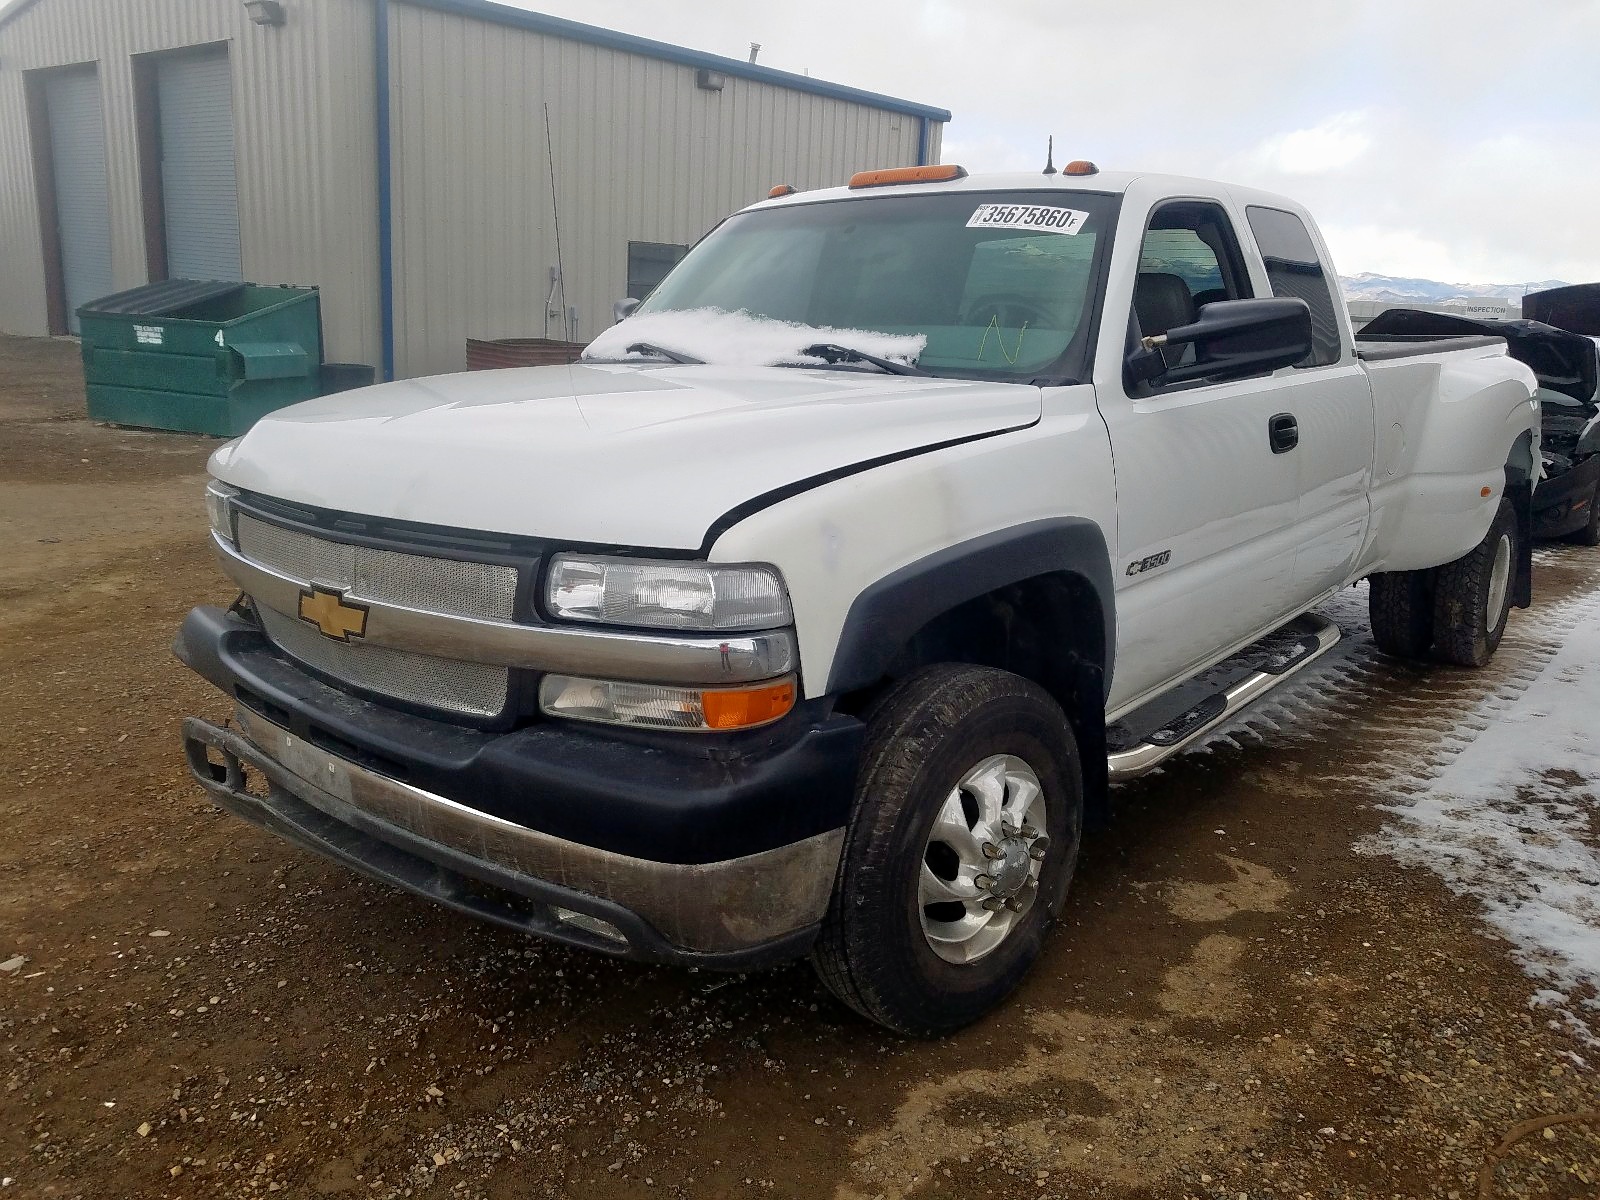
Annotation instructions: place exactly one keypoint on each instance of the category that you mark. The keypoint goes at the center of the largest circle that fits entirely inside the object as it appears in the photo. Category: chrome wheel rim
(1499, 582)
(981, 864)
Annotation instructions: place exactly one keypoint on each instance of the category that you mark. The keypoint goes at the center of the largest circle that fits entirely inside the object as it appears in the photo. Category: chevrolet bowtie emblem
(329, 613)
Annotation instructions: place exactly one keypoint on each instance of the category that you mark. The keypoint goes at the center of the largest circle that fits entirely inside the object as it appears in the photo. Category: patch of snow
(1513, 821)
(737, 339)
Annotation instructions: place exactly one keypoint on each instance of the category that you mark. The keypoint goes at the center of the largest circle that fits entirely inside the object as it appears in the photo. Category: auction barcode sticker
(1047, 218)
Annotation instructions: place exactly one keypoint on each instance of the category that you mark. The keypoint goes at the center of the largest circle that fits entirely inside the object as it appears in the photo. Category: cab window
(1190, 257)
(1294, 269)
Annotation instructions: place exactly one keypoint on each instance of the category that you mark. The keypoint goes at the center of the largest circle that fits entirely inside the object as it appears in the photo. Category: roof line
(15, 9)
(518, 18)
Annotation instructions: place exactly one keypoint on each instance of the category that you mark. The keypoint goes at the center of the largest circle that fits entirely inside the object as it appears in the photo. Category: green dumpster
(200, 356)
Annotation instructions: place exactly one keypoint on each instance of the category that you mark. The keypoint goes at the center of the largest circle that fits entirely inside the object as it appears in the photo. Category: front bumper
(1561, 502)
(718, 852)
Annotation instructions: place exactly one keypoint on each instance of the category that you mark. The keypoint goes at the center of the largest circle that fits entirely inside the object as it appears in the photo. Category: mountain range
(1368, 286)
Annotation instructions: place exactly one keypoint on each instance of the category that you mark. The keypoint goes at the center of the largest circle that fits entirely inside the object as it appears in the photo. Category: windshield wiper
(832, 352)
(663, 352)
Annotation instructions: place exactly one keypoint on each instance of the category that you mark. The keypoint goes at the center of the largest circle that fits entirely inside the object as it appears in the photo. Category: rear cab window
(1293, 269)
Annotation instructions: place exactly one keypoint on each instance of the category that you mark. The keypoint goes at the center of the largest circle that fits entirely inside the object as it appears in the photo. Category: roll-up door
(83, 207)
(198, 192)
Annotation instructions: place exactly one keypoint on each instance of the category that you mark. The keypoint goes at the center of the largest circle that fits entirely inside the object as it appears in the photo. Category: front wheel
(1472, 596)
(961, 846)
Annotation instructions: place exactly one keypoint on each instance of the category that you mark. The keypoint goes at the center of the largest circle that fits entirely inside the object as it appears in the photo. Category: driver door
(1205, 555)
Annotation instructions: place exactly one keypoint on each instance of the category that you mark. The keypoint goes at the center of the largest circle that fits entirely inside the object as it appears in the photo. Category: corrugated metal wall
(641, 154)
(303, 103)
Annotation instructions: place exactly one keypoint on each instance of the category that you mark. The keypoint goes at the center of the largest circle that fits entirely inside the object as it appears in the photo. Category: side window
(648, 264)
(1293, 269)
(1189, 257)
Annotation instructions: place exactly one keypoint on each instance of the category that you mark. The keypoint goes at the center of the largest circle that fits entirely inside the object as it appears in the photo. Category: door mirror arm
(1232, 339)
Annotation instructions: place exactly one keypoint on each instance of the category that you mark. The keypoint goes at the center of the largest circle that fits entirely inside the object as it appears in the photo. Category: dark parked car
(1567, 501)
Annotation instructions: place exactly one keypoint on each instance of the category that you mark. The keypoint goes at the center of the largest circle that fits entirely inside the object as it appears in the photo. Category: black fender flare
(888, 613)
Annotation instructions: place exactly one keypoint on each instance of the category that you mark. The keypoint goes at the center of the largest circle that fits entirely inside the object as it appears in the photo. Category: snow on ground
(737, 339)
(1513, 821)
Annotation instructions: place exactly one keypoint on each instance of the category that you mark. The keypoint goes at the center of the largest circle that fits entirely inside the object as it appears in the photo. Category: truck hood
(631, 454)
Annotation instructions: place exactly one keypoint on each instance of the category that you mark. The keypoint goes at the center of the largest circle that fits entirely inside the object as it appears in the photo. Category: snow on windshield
(739, 339)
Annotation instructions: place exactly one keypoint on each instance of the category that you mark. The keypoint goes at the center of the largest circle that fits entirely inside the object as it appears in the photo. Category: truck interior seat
(1162, 301)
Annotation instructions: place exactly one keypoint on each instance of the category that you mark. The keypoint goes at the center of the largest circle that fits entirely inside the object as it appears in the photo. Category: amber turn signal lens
(892, 175)
(741, 708)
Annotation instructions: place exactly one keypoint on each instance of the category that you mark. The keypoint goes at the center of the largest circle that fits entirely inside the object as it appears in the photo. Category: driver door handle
(1283, 433)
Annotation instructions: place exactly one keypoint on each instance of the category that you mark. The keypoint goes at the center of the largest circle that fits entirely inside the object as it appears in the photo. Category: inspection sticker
(147, 335)
(1046, 218)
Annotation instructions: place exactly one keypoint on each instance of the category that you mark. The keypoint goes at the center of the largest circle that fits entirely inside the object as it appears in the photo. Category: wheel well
(1049, 629)
(1519, 463)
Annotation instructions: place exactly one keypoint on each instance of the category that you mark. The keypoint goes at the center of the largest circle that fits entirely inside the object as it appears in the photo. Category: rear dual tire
(1454, 614)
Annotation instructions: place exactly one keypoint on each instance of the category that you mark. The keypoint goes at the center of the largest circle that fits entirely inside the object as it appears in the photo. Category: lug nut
(1039, 848)
(1014, 904)
(990, 850)
(1008, 829)
(994, 904)
(1029, 832)
(982, 882)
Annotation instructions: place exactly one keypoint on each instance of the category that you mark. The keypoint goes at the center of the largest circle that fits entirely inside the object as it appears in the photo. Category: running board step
(1272, 666)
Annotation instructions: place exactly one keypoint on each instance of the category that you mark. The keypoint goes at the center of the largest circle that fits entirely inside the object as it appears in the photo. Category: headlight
(645, 704)
(666, 595)
(219, 508)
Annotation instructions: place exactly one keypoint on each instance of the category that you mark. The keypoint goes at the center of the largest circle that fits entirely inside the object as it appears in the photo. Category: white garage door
(83, 209)
(195, 98)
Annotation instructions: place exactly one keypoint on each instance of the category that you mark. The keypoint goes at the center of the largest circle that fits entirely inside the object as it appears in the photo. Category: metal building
(394, 153)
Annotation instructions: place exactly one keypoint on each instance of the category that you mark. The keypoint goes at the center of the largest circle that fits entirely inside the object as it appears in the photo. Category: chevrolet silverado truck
(815, 609)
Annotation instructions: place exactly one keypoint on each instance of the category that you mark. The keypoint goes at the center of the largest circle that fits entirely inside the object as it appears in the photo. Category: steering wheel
(1009, 309)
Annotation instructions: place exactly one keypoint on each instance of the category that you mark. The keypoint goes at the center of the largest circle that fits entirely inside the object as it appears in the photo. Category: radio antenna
(1050, 156)
(555, 213)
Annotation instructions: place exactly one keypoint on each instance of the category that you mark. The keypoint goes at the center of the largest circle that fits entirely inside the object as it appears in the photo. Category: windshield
(972, 284)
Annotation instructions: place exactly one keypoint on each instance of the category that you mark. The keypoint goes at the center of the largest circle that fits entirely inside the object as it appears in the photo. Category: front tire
(967, 772)
(1472, 596)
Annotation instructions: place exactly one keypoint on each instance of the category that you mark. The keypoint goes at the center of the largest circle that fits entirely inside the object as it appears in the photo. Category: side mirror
(1231, 339)
(622, 310)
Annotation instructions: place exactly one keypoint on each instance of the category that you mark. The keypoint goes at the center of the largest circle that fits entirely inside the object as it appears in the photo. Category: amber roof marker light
(1080, 166)
(894, 175)
(781, 189)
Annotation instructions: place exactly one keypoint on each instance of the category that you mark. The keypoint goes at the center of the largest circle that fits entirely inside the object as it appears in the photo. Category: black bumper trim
(1554, 514)
(667, 797)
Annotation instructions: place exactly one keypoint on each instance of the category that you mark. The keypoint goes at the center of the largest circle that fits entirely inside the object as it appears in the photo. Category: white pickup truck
(816, 608)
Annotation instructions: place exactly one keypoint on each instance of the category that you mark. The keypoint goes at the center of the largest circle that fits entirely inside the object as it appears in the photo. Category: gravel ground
(1238, 1003)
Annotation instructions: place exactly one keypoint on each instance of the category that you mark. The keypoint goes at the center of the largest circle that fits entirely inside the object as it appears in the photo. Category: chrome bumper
(735, 913)
(685, 660)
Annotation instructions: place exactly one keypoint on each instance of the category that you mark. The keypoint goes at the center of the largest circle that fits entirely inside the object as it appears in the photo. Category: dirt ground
(1239, 1004)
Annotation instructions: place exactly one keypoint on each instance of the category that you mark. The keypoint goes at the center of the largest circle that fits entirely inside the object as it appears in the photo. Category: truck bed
(1385, 346)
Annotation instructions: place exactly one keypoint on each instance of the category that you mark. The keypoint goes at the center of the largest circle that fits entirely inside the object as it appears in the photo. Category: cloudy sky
(1457, 140)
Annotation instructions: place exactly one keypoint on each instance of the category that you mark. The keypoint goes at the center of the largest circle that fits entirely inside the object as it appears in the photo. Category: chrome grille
(475, 689)
(444, 585)
(483, 590)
